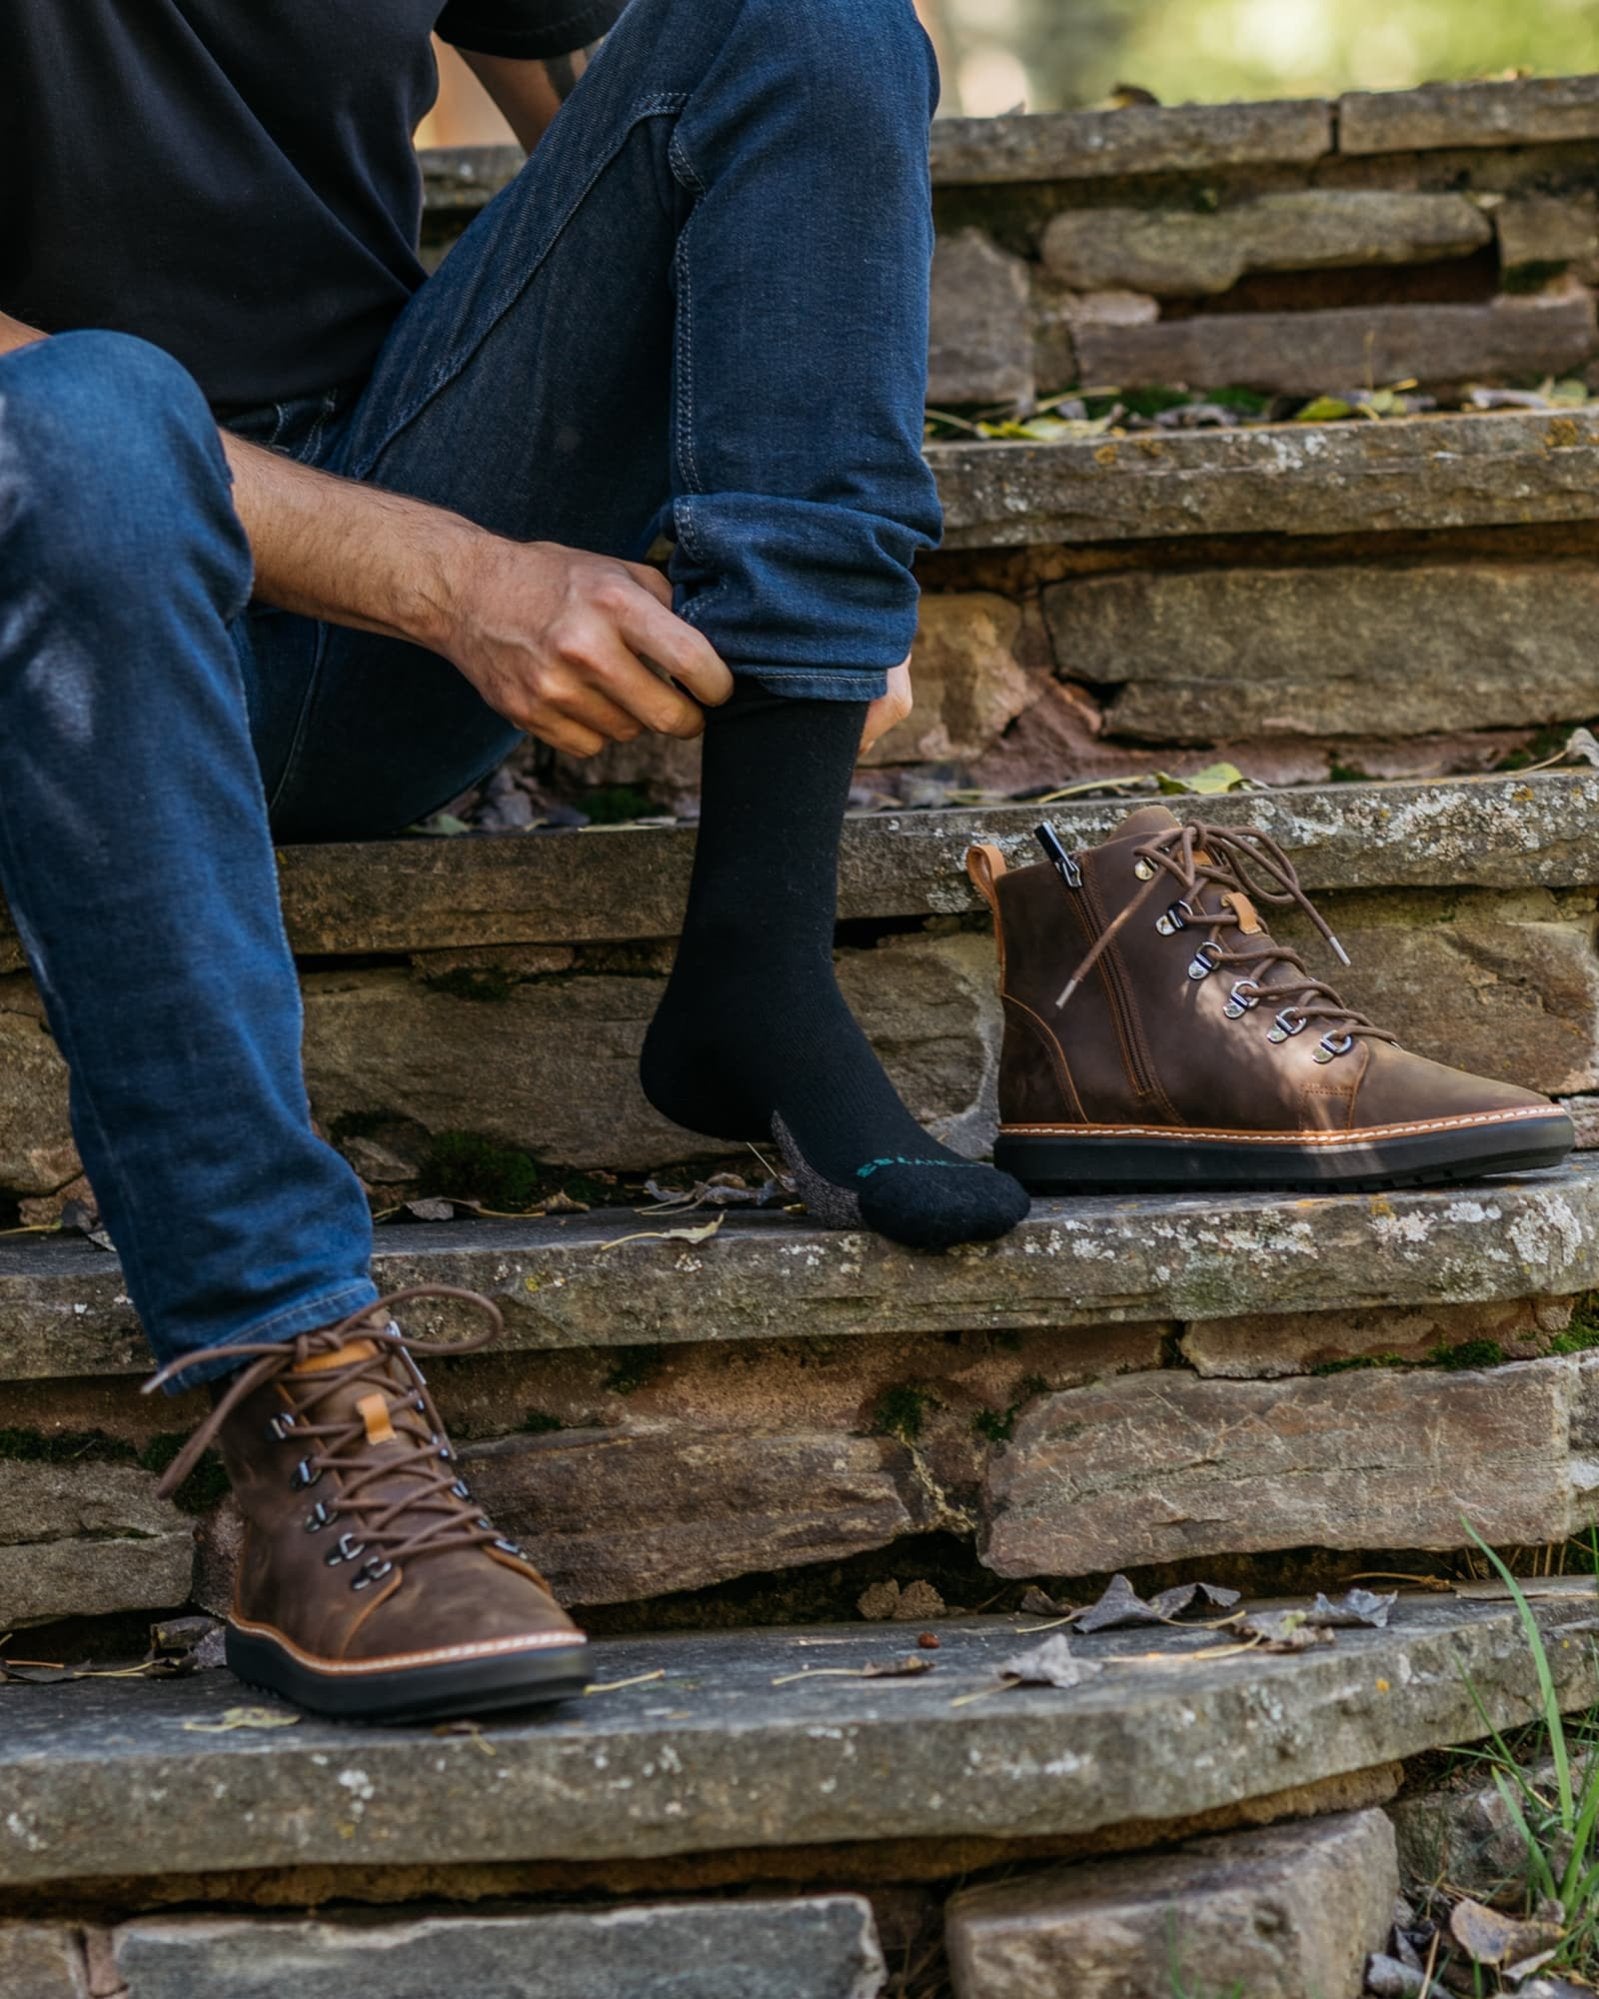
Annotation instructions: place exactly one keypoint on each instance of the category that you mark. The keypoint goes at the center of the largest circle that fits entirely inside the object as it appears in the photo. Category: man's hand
(556, 641)
(562, 643)
(891, 706)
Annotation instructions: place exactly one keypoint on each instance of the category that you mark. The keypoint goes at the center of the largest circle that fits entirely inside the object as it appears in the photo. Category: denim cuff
(821, 683)
(323, 1310)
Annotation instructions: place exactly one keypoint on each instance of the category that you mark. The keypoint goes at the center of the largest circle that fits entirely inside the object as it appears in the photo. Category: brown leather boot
(1157, 1036)
(370, 1585)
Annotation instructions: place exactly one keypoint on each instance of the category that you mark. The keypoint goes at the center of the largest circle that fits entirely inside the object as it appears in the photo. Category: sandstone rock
(1460, 1831)
(1584, 1114)
(86, 1538)
(1527, 111)
(1269, 1346)
(1375, 1459)
(1178, 252)
(968, 679)
(42, 1961)
(1505, 986)
(822, 1947)
(1308, 353)
(553, 1066)
(1549, 229)
(1090, 145)
(980, 343)
(611, 1517)
(1200, 654)
(36, 1151)
(1323, 479)
(1290, 1912)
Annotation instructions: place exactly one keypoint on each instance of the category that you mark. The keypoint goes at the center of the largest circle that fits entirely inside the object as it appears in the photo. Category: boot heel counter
(1035, 1079)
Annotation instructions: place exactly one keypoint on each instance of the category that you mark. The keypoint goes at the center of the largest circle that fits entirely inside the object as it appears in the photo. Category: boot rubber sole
(441, 1691)
(1063, 1159)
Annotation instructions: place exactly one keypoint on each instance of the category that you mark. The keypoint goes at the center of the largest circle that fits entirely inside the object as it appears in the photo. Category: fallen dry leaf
(1052, 1664)
(243, 1717)
(1355, 1606)
(1487, 1937)
(1037, 1602)
(702, 1233)
(1286, 1630)
(1122, 1605)
(889, 1602)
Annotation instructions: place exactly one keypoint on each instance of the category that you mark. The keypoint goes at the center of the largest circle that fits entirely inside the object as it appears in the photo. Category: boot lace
(1238, 861)
(425, 1505)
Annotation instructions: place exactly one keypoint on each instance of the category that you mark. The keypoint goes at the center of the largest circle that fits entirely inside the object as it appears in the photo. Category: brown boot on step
(370, 1585)
(1157, 1036)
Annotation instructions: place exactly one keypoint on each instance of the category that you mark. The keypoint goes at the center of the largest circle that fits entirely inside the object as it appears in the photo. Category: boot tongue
(1147, 820)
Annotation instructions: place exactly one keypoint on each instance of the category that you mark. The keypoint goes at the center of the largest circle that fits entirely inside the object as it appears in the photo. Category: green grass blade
(1553, 1719)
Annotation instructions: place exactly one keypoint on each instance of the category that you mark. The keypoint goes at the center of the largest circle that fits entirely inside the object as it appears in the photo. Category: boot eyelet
(280, 1426)
(1287, 1022)
(1331, 1046)
(303, 1475)
(318, 1518)
(348, 1550)
(511, 1548)
(1205, 961)
(461, 1489)
(375, 1570)
(1243, 996)
(1144, 870)
(1175, 919)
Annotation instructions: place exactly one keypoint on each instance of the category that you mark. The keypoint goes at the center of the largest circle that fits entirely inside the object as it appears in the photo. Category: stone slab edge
(1499, 468)
(591, 886)
(811, 1947)
(1082, 1262)
(713, 1756)
(1181, 138)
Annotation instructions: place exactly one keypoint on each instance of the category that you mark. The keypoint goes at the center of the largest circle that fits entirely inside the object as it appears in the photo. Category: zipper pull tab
(1063, 863)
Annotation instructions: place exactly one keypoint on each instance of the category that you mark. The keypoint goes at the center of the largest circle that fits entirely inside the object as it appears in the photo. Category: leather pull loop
(985, 864)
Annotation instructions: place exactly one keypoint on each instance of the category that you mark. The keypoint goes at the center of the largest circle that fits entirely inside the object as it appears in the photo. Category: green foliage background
(1076, 51)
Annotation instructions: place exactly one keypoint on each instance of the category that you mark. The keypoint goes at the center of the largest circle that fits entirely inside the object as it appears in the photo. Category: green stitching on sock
(871, 1166)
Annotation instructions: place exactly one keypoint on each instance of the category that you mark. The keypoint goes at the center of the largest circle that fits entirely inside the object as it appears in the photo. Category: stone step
(695, 1744)
(1281, 481)
(1177, 139)
(1123, 1383)
(813, 1947)
(609, 885)
(1092, 1261)
(501, 985)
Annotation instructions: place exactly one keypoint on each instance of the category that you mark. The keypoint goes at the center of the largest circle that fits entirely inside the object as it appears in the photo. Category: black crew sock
(753, 1039)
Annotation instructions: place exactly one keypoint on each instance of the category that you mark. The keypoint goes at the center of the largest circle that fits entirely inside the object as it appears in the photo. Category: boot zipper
(1120, 1004)
(1070, 871)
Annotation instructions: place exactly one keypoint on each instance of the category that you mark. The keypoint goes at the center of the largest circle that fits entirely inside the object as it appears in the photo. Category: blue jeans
(700, 309)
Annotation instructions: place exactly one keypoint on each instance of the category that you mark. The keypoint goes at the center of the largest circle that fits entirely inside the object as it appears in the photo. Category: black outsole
(411, 1693)
(1113, 1164)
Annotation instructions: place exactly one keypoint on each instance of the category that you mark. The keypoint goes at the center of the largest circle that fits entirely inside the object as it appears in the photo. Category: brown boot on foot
(370, 1585)
(1157, 1036)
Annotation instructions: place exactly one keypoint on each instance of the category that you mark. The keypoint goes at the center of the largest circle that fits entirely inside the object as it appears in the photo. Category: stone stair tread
(628, 882)
(101, 1777)
(1092, 1260)
(1479, 469)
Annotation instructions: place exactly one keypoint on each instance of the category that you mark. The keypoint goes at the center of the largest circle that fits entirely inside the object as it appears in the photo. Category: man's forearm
(353, 555)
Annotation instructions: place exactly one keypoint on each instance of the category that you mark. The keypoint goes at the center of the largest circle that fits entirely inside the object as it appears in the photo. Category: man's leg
(135, 856)
(701, 307)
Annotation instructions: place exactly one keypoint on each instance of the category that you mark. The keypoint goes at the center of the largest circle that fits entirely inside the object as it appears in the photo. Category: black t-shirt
(232, 179)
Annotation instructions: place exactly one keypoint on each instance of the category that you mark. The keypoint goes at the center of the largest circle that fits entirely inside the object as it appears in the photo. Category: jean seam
(661, 105)
(302, 720)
